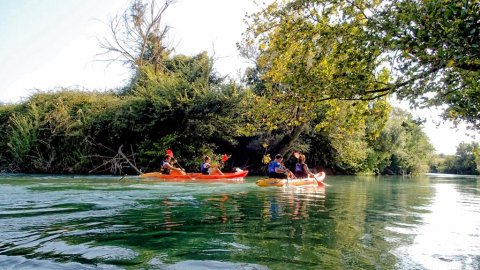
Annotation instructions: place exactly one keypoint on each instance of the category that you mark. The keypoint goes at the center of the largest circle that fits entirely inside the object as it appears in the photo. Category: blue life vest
(204, 170)
(274, 164)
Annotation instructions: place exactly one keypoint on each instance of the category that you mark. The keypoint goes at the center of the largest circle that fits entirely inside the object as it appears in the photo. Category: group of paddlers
(205, 168)
(277, 169)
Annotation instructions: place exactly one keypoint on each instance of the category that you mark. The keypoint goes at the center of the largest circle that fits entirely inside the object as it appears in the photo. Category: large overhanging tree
(309, 52)
(434, 49)
(309, 55)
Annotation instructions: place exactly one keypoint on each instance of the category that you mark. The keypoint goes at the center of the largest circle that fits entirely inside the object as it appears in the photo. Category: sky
(48, 44)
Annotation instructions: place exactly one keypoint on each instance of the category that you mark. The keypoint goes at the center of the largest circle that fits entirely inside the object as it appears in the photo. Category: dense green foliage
(194, 112)
(402, 148)
(435, 46)
(73, 131)
(465, 161)
(425, 51)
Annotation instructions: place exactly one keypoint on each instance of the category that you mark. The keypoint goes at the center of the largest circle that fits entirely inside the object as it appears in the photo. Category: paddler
(276, 170)
(166, 167)
(207, 168)
(301, 169)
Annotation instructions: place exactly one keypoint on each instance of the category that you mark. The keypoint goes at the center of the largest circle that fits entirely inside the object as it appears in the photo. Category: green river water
(87, 222)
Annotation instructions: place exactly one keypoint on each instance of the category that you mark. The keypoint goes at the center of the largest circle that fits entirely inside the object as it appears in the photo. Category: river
(98, 222)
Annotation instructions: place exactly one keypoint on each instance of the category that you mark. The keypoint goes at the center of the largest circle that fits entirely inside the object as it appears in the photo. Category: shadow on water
(352, 223)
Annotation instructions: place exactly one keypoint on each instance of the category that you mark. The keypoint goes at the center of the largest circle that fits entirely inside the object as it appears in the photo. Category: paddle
(216, 169)
(319, 182)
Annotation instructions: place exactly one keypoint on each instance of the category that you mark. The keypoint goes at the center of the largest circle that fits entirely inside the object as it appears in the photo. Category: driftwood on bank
(128, 160)
(116, 164)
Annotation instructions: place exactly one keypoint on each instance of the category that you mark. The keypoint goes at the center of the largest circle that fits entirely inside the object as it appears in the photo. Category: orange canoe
(176, 176)
(172, 175)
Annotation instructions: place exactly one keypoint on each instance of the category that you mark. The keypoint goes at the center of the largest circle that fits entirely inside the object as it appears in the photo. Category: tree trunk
(284, 145)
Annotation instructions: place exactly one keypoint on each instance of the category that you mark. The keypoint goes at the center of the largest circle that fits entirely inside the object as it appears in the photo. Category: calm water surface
(51, 222)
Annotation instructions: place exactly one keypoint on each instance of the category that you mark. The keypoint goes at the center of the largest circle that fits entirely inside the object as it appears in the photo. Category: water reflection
(293, 202)
(220, 203)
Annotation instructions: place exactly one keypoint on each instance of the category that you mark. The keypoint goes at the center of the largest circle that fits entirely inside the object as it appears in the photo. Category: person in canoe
(207, 168)
(301, 169)
(276, 169)
(167, 168)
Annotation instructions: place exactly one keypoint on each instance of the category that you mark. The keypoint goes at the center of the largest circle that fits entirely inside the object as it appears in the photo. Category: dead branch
(128, 160)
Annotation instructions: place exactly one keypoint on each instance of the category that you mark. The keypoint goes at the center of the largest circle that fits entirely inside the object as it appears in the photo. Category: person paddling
(207, 168)
(301, 169)
(276, 170)
(166, 167)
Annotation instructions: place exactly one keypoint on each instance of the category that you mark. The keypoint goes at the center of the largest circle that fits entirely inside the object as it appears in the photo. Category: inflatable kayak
(275, 182)
(175, 175)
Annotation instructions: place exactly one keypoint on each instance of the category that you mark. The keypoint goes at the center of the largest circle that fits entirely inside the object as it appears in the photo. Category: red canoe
(178, 176)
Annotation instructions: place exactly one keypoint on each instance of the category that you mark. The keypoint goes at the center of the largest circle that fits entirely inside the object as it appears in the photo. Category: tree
(465, 158)
(434, 48)
(465, 161)
(424, 51)
(402, 147)
(306, 58)
(476, 154)
(138, 36)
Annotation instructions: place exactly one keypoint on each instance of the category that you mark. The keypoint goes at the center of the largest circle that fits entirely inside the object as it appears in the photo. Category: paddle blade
(224, 157)
(170, 153)
(296, 154)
